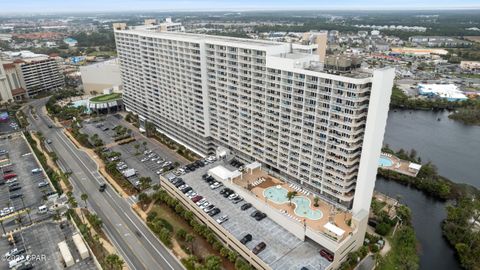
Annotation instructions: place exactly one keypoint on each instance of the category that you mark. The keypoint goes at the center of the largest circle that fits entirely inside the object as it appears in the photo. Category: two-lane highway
(135, 242)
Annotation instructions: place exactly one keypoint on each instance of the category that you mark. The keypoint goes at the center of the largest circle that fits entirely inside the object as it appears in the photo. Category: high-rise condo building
(265, 102)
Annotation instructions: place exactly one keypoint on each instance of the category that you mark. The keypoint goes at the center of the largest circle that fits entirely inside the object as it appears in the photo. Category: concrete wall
(382, 84)
(223, 234)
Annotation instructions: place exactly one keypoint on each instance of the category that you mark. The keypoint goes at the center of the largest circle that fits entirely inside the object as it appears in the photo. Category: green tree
(114, 262)
(290, 196)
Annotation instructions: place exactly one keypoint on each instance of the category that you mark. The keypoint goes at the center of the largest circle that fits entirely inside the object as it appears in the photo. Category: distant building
(99, 76)
(439, 41)
(35, 73)
(374, 32)
(318, 38)
(470, 65)
(419, 51)
(447, 91)
(5, 89)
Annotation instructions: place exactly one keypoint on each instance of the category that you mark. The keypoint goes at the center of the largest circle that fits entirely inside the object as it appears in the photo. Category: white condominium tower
(264, 101)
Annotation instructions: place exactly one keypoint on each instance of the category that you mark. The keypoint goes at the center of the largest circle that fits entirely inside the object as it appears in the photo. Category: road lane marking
(108, 193)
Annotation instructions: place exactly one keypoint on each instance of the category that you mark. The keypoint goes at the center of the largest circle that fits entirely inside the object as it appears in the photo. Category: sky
(36, 6)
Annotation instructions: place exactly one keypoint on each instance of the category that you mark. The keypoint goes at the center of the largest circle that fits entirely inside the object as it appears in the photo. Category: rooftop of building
(23, 56)
(151, 31)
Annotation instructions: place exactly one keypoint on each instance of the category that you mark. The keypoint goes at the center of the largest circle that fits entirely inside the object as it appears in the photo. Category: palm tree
(3, 228)
(137, 147)
(290, 196)
(28, 214)
(190, 238)
(114, 262)
(84, 198)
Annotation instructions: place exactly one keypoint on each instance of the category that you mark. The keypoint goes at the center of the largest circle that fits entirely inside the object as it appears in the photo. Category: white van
(42, 209)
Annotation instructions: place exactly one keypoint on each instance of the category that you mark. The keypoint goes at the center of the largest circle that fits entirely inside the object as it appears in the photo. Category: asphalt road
(136, 243)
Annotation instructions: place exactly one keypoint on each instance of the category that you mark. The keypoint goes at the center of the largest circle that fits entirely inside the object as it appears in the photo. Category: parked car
(48, 141)
(208, 208)
(214, 212)
(237, 200)
(233, 196)
(144, 159)
(14, 184)
(326, 255)
(260, 216)
(222, 219)
(187, 189)
(247, 238)
(255, 213)
(216, 185)
(197, 198)
(204, 205)
(36, 170)
(16, 195)
(42, 184)
(202, 201)
(15, 188)
(147, 152)
(245, 206)
(11, 180)
(9, 175)
(259, 248)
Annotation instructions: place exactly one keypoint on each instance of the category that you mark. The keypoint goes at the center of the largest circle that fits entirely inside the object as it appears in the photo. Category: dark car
(260, 216)
(179, 183)
(16, 195)
(245, 206)
(227, 193)
(14, 188)
(259, 248)
(326, 255)
(102, 187)
(187, 190)
(247, 238)
(214, 212)
(255, 213)
(224, 190)
(204, 176)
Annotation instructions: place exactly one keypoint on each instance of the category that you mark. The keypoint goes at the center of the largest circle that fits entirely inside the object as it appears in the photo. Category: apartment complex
(262, 100)
(34, 73)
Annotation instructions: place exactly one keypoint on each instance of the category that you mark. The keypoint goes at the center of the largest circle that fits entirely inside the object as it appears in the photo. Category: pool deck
(399, 165)
(336, 216)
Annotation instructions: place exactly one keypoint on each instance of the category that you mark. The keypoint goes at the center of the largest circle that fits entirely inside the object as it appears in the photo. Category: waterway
(452, 146)
(455, 149)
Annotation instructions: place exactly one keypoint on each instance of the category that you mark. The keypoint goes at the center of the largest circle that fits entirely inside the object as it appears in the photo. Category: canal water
(455, 149)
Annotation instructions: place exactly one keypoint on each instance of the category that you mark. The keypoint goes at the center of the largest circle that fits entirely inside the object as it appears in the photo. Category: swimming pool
(302, 204)
(82, 102)
(385, 162)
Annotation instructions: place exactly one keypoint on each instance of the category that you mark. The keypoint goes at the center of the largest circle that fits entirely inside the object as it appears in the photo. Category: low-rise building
(470, 65)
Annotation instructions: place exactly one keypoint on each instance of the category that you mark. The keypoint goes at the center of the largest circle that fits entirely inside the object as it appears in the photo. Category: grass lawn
(105, 98)
(201, 247)
(110, 53)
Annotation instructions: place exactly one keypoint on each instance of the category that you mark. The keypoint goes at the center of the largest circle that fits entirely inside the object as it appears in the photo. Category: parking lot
(8, 125)
(40, 242)
(148, 160)
(24, 192)
(283, 250)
